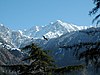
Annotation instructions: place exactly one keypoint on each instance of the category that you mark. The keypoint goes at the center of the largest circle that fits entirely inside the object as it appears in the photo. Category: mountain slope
(8, 47)
(53, 30)
(59, 34)
(56, 32)
(15, 39)
(65, 57)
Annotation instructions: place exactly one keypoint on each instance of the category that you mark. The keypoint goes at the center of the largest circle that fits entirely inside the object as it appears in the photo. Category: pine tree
(95, 10)
(91, 53)
(40, 61)
(40, 64)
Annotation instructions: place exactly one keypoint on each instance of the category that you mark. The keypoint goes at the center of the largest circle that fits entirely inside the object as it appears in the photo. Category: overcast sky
(23, 14)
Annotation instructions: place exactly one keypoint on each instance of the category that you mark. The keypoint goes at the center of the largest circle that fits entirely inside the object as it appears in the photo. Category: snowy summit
(52, 30)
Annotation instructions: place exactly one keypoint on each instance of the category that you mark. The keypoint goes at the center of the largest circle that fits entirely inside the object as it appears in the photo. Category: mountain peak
(53, 30)
(1, 25)
(56, 22)
(59, 22)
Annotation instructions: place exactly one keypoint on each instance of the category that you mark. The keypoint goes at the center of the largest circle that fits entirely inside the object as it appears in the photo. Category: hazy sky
(23, 14)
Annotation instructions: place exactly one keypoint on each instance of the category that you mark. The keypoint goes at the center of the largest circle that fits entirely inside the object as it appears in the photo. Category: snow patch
(20, 32)
(1, 25)
(15, 49)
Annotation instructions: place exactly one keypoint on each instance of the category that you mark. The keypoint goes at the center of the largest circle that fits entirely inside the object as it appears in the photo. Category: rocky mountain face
(12, 40)
(52, 30)
(6, 57)
(7, 47)
(9, 53)
(58, 34)
(65, 57)
(89, 35)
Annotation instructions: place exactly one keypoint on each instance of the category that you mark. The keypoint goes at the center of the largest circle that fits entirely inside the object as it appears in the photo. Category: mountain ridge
(52, 30)
(19, 39)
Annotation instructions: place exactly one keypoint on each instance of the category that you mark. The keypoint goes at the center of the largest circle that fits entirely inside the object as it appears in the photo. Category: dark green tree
(40, 64)
(40, 61)
(96, 10)
(90, 53)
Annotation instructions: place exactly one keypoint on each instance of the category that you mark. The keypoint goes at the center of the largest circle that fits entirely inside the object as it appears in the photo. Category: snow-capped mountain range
(65, 56)
(58, 33)
(11, 39)
(52, 30)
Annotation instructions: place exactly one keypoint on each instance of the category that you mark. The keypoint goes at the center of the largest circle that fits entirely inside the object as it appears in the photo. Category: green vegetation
(40, 64)
(95, 10)
(90, 53)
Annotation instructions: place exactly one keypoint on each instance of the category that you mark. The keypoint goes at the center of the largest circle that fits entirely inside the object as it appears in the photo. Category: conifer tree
(90, 53)
(40, 64)
(96, 10)
(40, 61)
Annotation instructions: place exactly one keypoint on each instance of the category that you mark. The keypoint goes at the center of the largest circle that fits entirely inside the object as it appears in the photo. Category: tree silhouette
(95, 10)
(40, 61)
(90, 53)
(40, 64)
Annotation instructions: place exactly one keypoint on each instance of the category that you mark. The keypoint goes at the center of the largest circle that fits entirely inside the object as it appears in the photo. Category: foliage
(40, 61)
(90, 53)
(68, 69)
(95, 10)
(24, 69)
(40, 64)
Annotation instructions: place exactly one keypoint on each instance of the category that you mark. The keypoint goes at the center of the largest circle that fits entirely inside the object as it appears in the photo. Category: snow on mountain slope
(8, 48)
(65, 57)
(60, 33)
(12, 38)
(18, 38)
(89, 35)
(53, 30)
(5, 33)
